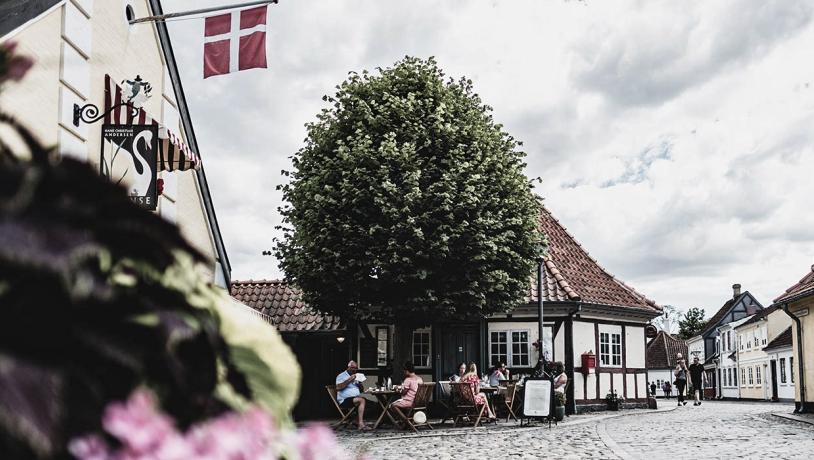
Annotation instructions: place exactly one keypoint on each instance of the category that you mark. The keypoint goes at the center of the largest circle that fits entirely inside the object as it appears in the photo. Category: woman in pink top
(409, 387)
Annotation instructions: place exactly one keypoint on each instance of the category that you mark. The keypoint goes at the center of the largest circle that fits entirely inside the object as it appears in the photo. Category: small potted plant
(613, 400)
(559, 406)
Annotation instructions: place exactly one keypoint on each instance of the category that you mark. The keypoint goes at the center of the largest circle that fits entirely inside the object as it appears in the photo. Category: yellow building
(758, 374)
(86, 51)
(798, 303)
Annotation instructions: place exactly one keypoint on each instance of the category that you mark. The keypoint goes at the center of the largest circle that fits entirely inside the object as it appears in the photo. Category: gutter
(186, 120)
(800, 363)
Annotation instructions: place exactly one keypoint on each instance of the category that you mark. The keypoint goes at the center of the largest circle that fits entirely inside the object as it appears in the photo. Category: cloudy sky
(674, 139)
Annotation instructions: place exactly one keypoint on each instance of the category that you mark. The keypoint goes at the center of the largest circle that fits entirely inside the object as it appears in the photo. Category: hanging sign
(129, 158)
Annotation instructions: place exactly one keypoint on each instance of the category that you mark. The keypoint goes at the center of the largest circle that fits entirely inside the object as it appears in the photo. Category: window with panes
(743, 376)
(757, 375)
(421, 348)
(610, 349)
(751, 376)
(791, 368)
(510, 347)
(782, 370)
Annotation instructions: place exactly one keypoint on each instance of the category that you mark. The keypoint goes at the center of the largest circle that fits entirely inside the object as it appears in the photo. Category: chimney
(736, 290)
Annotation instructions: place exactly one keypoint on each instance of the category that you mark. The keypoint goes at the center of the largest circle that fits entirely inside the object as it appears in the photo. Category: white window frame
(751, 375)
(509, 343)
(757, 375)
(610, 349)
(791, 368)
(420, 364)
(743, 377)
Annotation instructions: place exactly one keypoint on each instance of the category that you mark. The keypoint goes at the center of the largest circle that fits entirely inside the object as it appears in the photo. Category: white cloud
(673, 138)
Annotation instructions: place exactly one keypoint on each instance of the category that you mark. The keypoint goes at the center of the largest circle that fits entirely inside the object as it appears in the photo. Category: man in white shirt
(348, 393)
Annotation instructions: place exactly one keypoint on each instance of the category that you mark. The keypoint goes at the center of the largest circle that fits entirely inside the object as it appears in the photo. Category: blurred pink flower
(317, 442)
(91, 447)
(15, 66)
(137, 423)
(148, 434)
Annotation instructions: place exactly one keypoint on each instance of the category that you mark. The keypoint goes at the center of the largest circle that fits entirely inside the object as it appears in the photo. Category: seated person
(409, 387)
(471, 377)
(348, 393)
(498, 373)
(560, 377)
(460, 374)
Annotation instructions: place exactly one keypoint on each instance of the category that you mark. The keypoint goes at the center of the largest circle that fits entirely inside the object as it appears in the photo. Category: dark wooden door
(774, 380)
(459, 343)
(321, 359)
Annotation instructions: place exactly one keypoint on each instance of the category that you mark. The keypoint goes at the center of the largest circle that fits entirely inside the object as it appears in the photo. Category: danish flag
(235, 41)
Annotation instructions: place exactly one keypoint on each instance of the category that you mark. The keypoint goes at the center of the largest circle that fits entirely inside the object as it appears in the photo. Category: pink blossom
(137, 423)
(91, 447)
(16, 66)
(317, 442)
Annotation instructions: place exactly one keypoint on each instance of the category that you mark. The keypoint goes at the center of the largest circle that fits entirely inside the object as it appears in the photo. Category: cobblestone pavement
(713, 430)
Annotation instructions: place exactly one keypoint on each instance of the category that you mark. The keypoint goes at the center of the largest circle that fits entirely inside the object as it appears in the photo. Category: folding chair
(420, 403)
(346, 416)
(464, 403)
(509, 397)
(445, 400)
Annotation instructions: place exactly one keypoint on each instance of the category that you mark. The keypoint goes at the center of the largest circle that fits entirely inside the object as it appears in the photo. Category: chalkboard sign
(537, 398)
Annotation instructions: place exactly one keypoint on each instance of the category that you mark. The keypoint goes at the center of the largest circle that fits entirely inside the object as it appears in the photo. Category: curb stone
(794, 418)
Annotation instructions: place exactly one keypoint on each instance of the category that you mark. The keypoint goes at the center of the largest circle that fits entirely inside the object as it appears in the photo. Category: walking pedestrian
(667, 389)
(653, 389)
(697, 377)
(680, 374)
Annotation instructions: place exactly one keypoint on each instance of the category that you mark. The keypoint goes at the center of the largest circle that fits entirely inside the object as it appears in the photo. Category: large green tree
(692, 324)
(408, 202)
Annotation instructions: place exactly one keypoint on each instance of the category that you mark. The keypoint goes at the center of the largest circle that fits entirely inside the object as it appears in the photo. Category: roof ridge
(260, 281)
(630, 290)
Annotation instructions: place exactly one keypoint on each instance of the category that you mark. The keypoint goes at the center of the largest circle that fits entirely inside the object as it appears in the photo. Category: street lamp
(137, 92)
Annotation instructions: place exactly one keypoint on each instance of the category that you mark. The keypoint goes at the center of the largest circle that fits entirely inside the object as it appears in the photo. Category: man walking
(653, 389)
(697, 377)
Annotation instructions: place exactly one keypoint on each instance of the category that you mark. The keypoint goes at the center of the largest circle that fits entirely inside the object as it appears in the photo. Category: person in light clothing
(349, 391)
(409, 387)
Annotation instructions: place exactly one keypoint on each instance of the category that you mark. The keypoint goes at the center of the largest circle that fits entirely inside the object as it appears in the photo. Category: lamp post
(137, 92)
(540, 281)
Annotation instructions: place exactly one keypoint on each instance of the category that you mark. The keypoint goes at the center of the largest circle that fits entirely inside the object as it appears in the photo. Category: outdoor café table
(490, 393)
(385, 397)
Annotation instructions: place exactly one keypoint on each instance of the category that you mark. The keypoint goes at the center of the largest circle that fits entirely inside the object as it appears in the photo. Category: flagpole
(162, 17)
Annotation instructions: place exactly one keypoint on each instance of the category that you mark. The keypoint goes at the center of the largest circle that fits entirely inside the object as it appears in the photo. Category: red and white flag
(235, 41)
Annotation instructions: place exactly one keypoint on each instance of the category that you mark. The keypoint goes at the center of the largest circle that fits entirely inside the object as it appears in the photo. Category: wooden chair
(346, 416)
(445, 400)
(420, 403)
(509, 400)
(464, 404)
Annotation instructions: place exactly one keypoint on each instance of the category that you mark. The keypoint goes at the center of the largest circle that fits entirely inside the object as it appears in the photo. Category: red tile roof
(662, 350)
(803, 287)
(283, 304)
(782, 340)
(573, 275)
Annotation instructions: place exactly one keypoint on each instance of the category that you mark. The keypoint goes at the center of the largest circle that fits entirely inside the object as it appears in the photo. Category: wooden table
(490, 393)
(384, 398)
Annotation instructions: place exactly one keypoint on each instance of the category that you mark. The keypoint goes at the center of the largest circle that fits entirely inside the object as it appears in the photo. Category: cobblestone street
(713, 430)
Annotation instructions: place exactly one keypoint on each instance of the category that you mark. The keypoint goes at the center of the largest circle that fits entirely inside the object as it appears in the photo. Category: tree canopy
(409, 202)
(692, 324)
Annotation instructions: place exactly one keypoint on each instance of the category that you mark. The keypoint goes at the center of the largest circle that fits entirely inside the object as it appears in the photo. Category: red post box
(588, 363)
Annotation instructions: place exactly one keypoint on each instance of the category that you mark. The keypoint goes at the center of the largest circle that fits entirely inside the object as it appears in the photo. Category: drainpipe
(801, 380)
(540, 280)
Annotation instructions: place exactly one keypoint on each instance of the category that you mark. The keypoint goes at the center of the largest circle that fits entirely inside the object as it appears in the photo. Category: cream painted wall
(634, 345)
(579, 383)
(92, 39)
(34, 100)
(583, 341)
(604, 384)
(806, 307)
(591, 386)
